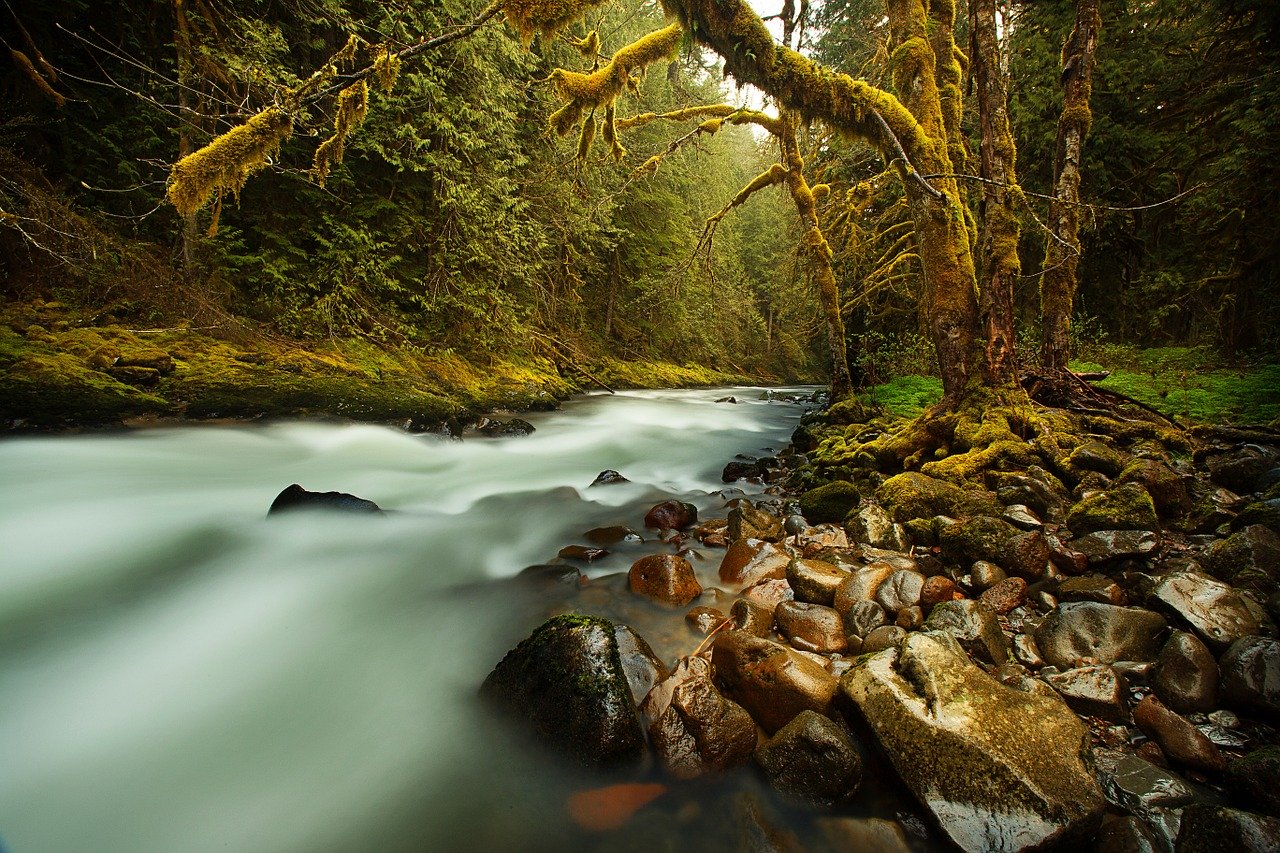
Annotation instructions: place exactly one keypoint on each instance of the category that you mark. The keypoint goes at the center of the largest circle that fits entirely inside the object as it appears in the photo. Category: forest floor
(62, 368)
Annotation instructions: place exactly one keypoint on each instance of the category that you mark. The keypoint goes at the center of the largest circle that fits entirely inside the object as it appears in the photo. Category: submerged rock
(813, 759)
(296, 497)
(567, 684)
(961, 743)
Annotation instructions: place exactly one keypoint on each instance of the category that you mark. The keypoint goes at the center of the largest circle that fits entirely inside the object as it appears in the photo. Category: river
(180, 673)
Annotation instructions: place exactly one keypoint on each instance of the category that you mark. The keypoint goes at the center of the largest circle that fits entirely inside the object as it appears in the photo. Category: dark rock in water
(671, 515)
(813, 759)
(811, 627)
(1254, 779)
(1141, 788)
(666, 578)
(694, 729)
(608, 478)
(567, 684)
(1093, 691)
(554, 573)
(704, 620)
(641, 666)
(1240, 469)
(1213, 829)
(296, 497)
(1126, 835)
(582, 552)
(974, 626)
(505, 429)
(770, 680)
(1180, 740)
(727, 400)
(735, 471)
(962, 744)
(748, 522)
(612, 535)
(1186, 674)
(1212, 609)
(1250, 673)
(1102, 632)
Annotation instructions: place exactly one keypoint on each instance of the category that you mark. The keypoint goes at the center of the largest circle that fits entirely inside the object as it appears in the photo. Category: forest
(449, 243)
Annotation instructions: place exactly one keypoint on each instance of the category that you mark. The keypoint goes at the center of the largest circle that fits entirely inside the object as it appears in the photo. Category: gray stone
(960, 742)
(1021, 516)
(1254, 547)
(974, 625)
(884, 637)
(813, 759)
(1093, 691)
(1250, 676)
(1026, 652)
(1214, 610)
(815, 581)
(985, 575)
(1140, 788)
(863, 617)
(1101, 632)
(900, 590)
(1186, 674)
(693, 729)
(1092, 588)
(1037, 489)
(1106, 546)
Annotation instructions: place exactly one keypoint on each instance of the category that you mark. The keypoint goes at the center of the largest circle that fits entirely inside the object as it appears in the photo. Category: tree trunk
(187, 109)
(1062, 248)
(999, 265)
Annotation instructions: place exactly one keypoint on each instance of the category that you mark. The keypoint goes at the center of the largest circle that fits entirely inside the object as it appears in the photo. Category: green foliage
(904, 396)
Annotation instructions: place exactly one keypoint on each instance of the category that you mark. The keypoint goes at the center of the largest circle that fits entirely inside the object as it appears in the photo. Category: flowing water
(180, 673)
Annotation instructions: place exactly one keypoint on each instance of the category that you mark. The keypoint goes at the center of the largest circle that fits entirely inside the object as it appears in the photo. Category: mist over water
(179, 673)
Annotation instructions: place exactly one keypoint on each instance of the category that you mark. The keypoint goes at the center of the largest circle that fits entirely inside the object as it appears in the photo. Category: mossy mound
(829, 503)
(1165, 486)
(979, 537)
(1126, 507)
(915, 495)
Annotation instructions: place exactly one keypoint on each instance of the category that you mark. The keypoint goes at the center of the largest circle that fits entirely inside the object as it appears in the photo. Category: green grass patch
(1171, 385)
(904, 396)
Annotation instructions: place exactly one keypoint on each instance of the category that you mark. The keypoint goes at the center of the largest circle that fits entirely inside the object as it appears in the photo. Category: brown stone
(815, 580)
(704, 620)
(811, 627)
(938, 589)
(749, 561)
(769, 594)
(665, 578)
(1180, 740)
(671, 515)
(1006, 595)
(773, 682)
(694, 730)
(582, 552)
(751, 617)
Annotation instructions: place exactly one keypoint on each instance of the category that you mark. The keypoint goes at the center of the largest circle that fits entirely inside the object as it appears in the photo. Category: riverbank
(66, 368)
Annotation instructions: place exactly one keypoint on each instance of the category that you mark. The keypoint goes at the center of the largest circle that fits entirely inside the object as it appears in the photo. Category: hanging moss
(226, 163)
(386, 67)
(586, 138)
(349, 111)
(545, 17)
(590, 45)
(604, 86)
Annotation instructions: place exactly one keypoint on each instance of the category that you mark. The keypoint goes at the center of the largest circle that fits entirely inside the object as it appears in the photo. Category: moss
(977, 538)
(915, 495)
(829, 503)
(226, 163)
(547, 17)
(1126, 507)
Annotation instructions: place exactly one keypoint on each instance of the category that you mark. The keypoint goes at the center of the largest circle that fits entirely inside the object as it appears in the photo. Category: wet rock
(1110, 546)
(735, 471)
(665, 578)
(295, 497)
(813, 759)
(812, 540)
(1264, 513)
(608, 478)
(1005, 596)
(1126, 507)
(611, 535)
(900, 590)
(869, 524)
(640, 665)
(1066, 558)
(915, 495)
(1102, 632)
(1212, 829)
(693, 729)
(1239, 469)
(1025, 554)
(1255, 548)
(770, 680)
(814, 581)
(1097, 588)
(1037, 489)
(747, 562)
(978, 538)
(768, 594)
(704, 620)
(884, 637)
(1181, 741)
(862, 617)
(831, 502)
(1165, 486)
(1186, 674)
(748, 522)
(1254, 778)
(1021, 517)
(1093, 691)
(936, 590)
(1250, 676)
(567, 684)
(1097, 456)
(505, 429)
(1141, 788)
(751, 618)
(864, 835)
(671, 515)
(555, 573)
(1126, 835)
(949, 730)
(861, 585)
(985, 575)
(811, 627)
(974, 626)
(1212, 609)
(582, 552)
(1026, 652)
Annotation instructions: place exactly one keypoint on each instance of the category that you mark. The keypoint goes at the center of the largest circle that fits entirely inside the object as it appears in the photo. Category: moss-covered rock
(1097, 456)
(915, 495)
(1126, 507)
(829, 503)
(1165, 485)
(979, 537)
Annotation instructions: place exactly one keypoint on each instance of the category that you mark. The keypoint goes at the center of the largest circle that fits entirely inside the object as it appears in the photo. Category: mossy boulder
(1097, 456)
(1168, 491)
(978, 537)
(1125, 507)
(1035, 488)
(829, 503)
(915, 495)
(1264, 512)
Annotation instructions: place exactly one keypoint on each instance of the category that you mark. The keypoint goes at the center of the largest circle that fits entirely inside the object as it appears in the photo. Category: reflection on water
(178, 673)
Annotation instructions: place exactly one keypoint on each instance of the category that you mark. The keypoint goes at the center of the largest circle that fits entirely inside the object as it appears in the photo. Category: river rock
(582, 552)
(640, 665)
(1005, 596)
(884, 637)
(671, 515)
(1212, 609)
(861, 585)
(1037, 489)
(863, 835)
(960, 742)
(811, 627)
(1250, 676)
(862, 617)
(829, 503)
(1094, 691)
(739, 470)
(504, 429)
(749, 561)
(813, 540)
(986, 574)
(611, 535)
(869, 524)
(295, 497)
(566, 683)
(1026, 652)
(814, 581)
(665, 578)
(748, 522)
(1126, 507)
(813, 759)
(1097, 588)
(1186, 674)
(1180, 740)
(608, 478)
(1253, 549)
(1102, 632)
(1253, 778)
(1141, 788)
(1264, 513)
(915, 495)
(1208, 828)
(978, 538)
(693, 729)
(1165, 486)
(752, 618)
(974, 626)
(1022, 517)
(704, 620)
(768, 594)
(1025, 554)
(773, 682)
(1125, 835)
(900, 590)
(1239, 469)
(1109, 546)
(936, 590)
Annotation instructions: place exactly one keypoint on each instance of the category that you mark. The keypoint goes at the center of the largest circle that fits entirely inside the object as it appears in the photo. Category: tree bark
(1062, 248)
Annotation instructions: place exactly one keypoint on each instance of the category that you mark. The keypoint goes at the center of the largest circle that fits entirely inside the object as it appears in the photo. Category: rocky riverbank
(1082, 656)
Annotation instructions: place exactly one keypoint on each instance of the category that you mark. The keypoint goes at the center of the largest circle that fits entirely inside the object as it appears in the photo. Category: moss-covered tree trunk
(999, 265)
(1062, 248)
